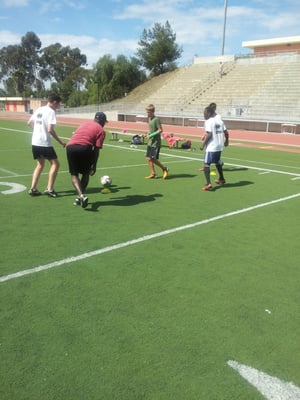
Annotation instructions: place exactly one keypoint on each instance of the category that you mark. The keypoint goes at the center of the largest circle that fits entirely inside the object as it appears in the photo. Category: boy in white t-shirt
(42, 122)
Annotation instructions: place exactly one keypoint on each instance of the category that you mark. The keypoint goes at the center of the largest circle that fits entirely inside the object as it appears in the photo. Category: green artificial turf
(167, 282)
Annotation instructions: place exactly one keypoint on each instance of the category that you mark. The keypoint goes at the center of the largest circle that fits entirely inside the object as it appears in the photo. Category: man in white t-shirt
(43, 122)
(214, 142)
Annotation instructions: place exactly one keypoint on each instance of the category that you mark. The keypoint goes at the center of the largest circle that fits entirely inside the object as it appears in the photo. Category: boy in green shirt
(154, 144)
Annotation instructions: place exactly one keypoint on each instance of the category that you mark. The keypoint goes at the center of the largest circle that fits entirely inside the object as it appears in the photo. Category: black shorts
(80, 159)
(41, 152)
(153, 152)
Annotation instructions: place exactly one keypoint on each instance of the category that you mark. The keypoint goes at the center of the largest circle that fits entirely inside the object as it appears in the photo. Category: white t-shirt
(42, 118)
(219, 118)
(215, 125)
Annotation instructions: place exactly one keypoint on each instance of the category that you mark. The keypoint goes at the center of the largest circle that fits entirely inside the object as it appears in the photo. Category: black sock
(220, 171)
(207, 174)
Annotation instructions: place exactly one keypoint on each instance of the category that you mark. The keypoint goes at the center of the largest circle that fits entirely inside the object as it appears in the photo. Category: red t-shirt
(89, 133)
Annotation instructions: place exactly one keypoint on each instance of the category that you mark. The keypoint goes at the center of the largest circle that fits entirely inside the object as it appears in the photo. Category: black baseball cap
(100, 117)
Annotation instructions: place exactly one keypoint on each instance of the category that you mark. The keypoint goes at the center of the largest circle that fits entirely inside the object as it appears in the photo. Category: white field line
(98, 169)
(21, 131)
(234, 142)
(140, 240)
(260, 162)
(14, 130)
(6, 171)
(270, 387)
(199, 158)
(184, 159)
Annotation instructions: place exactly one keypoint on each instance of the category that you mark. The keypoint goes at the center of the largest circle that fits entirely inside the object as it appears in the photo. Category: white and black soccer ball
(106, 180)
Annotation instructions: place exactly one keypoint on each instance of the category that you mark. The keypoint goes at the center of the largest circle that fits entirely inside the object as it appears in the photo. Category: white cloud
(198, 28)
(93, 48)
(76, 5)
(15, 3)
(7, 38)
(90, 46)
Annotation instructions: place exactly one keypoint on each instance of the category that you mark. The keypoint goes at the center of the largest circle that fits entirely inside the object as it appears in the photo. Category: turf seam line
(140, 239)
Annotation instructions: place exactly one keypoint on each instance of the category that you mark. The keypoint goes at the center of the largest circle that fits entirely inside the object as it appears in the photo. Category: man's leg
(77, 185)
(159, 164)
(221, 175)
(81, 198)
(164, 169)
(52, 174)
(84, 181)
(207, 173)
(37, 173)
(151, 166)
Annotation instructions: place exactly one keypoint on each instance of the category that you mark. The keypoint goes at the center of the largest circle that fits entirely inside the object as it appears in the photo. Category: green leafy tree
(18, 64)
(112, 78)
(78, 98)
(63, 67)
(158, 49)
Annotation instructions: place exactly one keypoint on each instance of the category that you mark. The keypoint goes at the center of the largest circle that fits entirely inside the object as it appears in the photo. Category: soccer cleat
(207, 187)
(220, 181)
(84, 201)
(50, 193)
(77, 202)
(165, 173)
(34, 192)
(150, 177)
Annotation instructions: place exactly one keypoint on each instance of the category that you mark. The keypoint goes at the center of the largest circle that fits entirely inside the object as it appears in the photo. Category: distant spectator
(221, 69)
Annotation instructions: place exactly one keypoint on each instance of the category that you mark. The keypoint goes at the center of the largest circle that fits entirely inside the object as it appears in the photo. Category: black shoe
(50, 193)
(84, 201)
(34, 192)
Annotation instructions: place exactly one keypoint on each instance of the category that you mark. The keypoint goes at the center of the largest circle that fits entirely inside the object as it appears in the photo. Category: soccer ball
(106, 180)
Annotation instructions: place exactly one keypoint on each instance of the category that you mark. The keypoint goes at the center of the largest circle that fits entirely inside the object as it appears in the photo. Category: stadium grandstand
(257, 91)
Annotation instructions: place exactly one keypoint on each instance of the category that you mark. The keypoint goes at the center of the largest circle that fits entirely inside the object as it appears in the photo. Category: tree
(19, 63)
(25, 68)
(63, 66)
(158, 49)
(112, 78)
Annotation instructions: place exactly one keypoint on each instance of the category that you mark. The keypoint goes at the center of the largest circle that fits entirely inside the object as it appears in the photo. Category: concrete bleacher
(233, 91)
(254, 87)
(282, 92)
(258, 93)
(183, 86)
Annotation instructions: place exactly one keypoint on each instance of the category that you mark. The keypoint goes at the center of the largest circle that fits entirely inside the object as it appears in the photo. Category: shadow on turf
(92, 190)
(125, 201)
(232, 185)
(233, 169)
(176, 176)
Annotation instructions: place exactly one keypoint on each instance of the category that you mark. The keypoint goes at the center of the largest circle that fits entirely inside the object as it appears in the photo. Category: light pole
(224, 26)
(98, 94)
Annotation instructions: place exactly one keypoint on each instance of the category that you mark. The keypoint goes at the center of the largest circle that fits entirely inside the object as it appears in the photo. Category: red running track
(275, 141)
(267, 140)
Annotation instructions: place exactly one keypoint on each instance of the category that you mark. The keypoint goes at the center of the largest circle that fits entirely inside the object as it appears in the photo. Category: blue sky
(99, 27)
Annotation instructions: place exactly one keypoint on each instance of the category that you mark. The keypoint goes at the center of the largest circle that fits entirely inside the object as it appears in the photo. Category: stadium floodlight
(224, 26)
